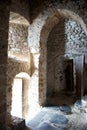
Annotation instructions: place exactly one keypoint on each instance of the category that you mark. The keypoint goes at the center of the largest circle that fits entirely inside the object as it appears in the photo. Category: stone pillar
(4, 24)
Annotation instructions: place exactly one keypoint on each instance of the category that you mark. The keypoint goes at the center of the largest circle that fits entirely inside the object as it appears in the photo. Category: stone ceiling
(35, 5)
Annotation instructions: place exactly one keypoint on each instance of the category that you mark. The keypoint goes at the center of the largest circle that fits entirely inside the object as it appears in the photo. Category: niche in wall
(18, 33)
(66, 41)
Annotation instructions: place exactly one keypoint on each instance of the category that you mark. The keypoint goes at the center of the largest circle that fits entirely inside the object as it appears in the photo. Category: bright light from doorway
(17, 98)
(25, 96)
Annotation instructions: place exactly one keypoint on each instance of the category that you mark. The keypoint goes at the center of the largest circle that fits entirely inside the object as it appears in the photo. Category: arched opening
(64, 48)
(62, 43)
(18, 61)
(18, 33)
(20, 95)
(21, 60)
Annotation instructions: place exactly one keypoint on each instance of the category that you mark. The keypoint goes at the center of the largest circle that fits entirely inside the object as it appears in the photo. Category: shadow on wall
(56, 64)
(55, 59)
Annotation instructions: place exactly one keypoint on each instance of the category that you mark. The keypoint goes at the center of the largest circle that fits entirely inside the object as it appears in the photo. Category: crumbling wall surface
(41, 26)
(4, 24)
(66, 41)
(14, 67)
(5, 8)
(18, 56)
(18, 46)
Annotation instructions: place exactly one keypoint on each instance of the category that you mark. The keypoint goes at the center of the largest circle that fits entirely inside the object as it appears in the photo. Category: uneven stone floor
(61, 117)
(54, 118)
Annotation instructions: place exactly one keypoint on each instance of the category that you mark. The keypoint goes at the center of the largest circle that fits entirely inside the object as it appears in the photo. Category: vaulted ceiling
(35, 6)
(17, 18)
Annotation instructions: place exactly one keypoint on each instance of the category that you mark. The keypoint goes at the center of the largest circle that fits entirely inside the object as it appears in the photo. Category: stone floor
(63, 117)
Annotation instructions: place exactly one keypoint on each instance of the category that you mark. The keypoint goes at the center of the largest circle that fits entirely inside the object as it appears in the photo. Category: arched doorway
(18, 59)
(65, 62)
(51, 24)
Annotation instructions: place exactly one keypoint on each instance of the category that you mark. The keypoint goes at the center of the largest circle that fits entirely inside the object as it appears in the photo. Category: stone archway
(40, 29)
(18, 52)
(51, 22)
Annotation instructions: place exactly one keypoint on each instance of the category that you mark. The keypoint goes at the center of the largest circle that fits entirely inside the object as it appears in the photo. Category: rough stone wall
(42, 25)
(19, 56)
(39, 31)
(66, 40)
(14, 67)
(75, 38)
(4, 23)
(76, 43)
(55, 61)
(18, 46)
(78, 7)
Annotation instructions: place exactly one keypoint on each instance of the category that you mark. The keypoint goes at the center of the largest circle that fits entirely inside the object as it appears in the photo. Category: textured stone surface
(84, 101)
(44, 126)
(18, 56)
(76, 121)
(66, 40)
(43, 20)
(78, 104)
(48, 119)
(66, 109)
(4, 23)
(14, 67)
(78, 107)
(75, 38)
(40, 29)
(18, 47)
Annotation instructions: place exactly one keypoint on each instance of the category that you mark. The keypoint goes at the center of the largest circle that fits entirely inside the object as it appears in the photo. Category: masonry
(47, 40)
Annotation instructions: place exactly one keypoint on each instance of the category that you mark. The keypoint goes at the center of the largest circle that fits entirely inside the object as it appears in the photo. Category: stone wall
(75, 38)
(55, 51)
(43, 20)
(76, 43)
(41, 26)
(4, 23)
(14, 67)
(19, 56)
(66, 40)
(78, 7)
(21, 60)
(18, 46)
(5, 7)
